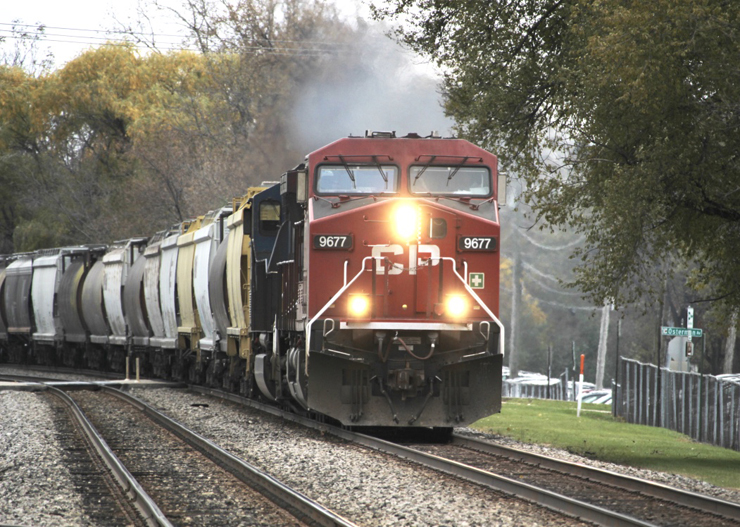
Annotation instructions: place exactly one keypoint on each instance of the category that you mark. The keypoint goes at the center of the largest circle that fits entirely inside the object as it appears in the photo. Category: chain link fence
(704, 407)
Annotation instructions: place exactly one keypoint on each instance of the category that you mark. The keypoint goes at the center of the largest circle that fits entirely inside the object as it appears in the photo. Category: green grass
(597, 435)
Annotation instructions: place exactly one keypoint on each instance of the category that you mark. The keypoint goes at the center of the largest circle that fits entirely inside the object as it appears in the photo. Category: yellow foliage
(112, 86)
(530, 305)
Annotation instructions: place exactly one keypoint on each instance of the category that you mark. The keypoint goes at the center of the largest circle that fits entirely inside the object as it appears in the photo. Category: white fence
(704, 407)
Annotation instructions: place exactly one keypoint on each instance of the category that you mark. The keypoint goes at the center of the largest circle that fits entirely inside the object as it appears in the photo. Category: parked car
(587, 387)
(597, 397)
(729, 377)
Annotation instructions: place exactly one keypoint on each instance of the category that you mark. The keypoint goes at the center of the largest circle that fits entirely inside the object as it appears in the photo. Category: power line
(253, 50)
(546, 247)
(301, 52)
(44, 35)
(41, 32)
(43, 27)
(555, 304)
(552, 289)
(565, 306)
(536, 271)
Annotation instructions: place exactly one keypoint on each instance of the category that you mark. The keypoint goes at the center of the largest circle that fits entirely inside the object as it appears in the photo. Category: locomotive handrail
(362, 270)
(330, 302)
(480, 302)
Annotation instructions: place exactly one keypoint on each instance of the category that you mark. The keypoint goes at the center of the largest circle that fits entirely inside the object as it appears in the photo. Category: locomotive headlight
(456, 305)
(359, 305)
(407, 220)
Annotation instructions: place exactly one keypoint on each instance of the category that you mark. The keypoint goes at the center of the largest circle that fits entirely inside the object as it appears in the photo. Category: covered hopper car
(363, 287)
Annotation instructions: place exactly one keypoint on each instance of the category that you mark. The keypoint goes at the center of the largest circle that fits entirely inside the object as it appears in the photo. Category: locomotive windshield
(455, 180)
(356, 179)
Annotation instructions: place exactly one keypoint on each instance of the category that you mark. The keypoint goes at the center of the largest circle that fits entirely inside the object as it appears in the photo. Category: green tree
(622, 118)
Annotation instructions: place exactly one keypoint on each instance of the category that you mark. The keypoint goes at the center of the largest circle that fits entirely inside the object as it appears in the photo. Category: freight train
(363, 287)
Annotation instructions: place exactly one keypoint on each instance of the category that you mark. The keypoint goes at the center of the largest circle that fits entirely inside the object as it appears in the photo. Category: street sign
(680, 332)
(689, 317)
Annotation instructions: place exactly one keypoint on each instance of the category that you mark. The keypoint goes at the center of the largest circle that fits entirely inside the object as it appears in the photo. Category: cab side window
(269, 215)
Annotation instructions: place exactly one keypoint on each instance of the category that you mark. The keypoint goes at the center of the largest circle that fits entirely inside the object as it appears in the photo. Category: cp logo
(380, 254)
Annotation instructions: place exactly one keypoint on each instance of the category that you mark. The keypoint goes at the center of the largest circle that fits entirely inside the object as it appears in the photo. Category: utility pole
(730, 343)
(603, 337)
(616, 358)
(549, 368)
(659, 384)
(573, 351)
(615, 394)
(516, 300)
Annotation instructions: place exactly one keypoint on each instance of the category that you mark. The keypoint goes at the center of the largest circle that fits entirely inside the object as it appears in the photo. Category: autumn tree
(622, 118)
(71, 144)
(15, 139)
(258, 54)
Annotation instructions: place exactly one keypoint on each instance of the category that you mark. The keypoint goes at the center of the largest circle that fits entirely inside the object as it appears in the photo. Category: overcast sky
(409, 102)
(75, 25)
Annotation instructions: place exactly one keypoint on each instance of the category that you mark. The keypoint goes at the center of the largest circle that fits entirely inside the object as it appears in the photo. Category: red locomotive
(386, 269)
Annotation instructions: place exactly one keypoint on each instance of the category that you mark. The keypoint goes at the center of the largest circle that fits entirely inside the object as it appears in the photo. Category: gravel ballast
(362, 485)
(366, 487)
(36, 487)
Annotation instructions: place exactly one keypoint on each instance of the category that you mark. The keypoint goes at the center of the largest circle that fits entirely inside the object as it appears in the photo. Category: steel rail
(140, 500)
(298, 504)
(25, 381)
(649, 488)
(539, 496)
(64, 370)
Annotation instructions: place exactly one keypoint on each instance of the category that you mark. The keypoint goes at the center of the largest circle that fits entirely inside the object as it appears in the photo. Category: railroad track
(165, 473)
(98, 474)
(582, 492)
(597, 496)
(300, 506)
(649, 502)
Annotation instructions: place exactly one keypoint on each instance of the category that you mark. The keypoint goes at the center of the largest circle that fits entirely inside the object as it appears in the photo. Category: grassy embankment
(597, 435)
